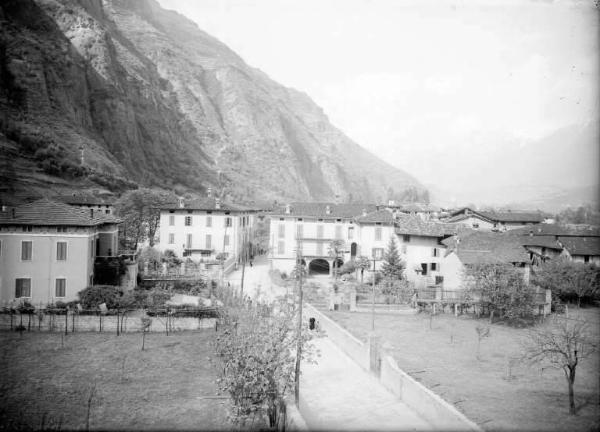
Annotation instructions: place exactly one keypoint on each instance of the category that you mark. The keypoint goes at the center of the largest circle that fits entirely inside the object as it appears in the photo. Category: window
(171, 238)
(319, 248)
(23, 288)
(434, 252)
(172, 220)
(281, 247)
(27, 228)
(60, 287)
(586, 258)
(377, 253)
(281, 231)
(319, 231)
(208, 241)
(107, 211)
(475, 225)
(434, 267)
(228, 221)
(377, 233)
(26, 250)
(209, 221)
(61, 251)
(350, 233)
(406, 238)
(189, 241)
(424, 269)
(188, 221)
(299, 231)
(226, 240)
(338, 232)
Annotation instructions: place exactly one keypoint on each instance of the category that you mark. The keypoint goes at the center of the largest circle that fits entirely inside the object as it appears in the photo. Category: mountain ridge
(156, 101)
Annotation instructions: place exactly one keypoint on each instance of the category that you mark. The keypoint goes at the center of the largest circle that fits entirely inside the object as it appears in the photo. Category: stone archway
(318, 266)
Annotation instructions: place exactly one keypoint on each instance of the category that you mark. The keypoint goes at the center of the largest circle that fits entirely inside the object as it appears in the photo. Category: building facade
(48, 249)
(203, 229)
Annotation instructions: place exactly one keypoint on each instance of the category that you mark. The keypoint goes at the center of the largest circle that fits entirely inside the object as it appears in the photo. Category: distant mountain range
(147, 98)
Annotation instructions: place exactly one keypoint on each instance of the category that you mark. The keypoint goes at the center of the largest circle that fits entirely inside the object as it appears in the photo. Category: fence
(118, 321)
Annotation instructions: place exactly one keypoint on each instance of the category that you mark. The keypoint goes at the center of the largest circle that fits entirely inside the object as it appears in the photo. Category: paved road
(336, 394)
(257, 281)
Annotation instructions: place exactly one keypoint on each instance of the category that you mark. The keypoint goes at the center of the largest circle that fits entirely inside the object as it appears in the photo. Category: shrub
(94, 296)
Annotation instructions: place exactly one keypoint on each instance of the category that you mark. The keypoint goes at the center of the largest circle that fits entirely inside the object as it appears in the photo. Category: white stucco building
(201, 229)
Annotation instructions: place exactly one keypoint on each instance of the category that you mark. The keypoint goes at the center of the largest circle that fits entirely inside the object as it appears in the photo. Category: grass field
(444, 358)
(167, 386)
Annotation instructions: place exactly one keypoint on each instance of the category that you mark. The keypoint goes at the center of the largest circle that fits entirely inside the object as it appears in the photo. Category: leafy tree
(336, 249)
(94, 296)
(561, 345)
(362, 263)
(501, 288)
(392, 266)
(256, 346)
(348, 267)
(140, 212)
(568, 279)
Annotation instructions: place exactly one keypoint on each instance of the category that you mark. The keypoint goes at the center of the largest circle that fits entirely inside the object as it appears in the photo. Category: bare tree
(561, 345)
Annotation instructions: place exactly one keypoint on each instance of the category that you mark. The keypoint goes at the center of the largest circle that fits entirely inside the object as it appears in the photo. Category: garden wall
(131, 323)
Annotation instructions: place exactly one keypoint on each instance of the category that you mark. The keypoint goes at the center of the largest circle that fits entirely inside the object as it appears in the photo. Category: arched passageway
(318, 266)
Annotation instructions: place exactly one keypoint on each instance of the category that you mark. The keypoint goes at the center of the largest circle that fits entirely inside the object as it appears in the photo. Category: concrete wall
(415, 395)
(353, 347)
(439, 413)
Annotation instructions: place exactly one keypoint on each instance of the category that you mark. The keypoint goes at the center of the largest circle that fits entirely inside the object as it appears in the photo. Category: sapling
(482, 332)
(146, 322)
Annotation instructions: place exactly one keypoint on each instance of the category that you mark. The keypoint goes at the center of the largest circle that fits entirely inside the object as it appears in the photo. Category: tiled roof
(382, 216)
(205, 203)
(414, 225)
(85, 199)
(476, 247)
(558, 230)
(50, 213)
(526, 217)
(309, 209)
(543, 241)
(416, 208)
(581, 245)
(461, 217)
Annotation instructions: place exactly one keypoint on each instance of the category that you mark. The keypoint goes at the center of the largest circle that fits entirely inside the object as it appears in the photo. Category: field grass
(170, 385)
(444, 358)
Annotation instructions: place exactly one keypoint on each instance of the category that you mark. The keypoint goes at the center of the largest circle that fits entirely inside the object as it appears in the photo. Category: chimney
(217, 203)
(327, 209)
(209, 192)
(181, 203)
(288, 209)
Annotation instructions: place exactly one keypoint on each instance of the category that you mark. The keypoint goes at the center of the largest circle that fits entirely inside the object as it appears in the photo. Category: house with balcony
(204, 229)
(48, 250)
(312, 227)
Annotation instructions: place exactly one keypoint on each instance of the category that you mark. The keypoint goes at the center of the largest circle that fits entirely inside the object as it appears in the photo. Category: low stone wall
(108, 323)
(426, 403)
(430, 406)
(353, 347)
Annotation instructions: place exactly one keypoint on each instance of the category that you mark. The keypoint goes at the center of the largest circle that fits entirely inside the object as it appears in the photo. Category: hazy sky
(423, 84)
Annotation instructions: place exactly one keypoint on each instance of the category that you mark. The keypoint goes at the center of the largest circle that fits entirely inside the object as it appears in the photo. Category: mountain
(147, 98)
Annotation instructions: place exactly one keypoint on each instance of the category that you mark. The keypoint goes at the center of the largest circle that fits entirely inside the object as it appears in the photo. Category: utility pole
(244, 247)
(299, 336)
(373, 299)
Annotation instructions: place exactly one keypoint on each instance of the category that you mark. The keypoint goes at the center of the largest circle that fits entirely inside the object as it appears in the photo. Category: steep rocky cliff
(153, 100)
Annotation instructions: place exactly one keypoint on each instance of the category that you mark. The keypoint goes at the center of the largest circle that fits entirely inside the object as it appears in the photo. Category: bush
(92, 297)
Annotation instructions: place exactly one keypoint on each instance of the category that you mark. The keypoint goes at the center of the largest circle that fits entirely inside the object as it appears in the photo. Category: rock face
(153, 100)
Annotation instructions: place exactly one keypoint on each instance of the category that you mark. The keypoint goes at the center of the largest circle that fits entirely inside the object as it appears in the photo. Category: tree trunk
(571, 381)
(492, 316)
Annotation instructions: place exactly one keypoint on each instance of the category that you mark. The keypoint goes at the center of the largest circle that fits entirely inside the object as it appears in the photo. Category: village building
(495, 221)
(312, 227)
(424, 211)
(421, 247)
(375, 231)
(581, 249)
(472, 248)
(205, 229)
(88, 201)
(48, 250)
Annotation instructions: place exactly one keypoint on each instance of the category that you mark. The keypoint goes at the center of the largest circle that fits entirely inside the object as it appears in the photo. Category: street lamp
(376, 256)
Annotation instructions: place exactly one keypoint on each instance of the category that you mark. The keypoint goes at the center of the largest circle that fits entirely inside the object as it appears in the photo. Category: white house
(313, 226)
(201, 229)
(495, 221)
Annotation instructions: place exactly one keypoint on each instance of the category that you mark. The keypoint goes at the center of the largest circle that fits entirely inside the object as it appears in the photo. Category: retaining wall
(435, 410)
(353, 347)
